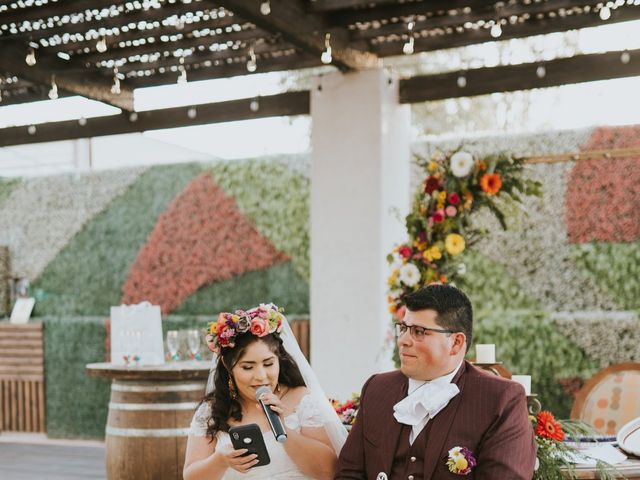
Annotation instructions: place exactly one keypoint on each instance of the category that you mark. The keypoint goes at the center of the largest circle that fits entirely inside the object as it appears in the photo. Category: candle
(525, 381)
(486, 353)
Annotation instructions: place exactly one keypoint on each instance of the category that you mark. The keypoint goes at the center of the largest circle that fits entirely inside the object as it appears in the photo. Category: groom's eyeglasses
(416, 331)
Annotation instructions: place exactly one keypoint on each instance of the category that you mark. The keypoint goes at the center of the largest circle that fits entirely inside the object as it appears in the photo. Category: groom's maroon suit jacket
(489, 416)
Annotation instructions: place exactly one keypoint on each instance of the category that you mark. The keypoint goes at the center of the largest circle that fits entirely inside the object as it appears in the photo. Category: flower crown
(260, 321)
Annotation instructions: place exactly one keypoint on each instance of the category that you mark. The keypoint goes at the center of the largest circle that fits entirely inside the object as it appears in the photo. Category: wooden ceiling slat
(563, 71)
(118, 53)
(442, 21)
(126, 18)
(89, 83)
(527, 29)
(332, 5)
(34, 13)
(284, 104)
(303, 30)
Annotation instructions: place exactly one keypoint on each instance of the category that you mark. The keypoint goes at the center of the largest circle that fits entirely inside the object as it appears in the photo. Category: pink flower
(438, 216)
(400, 312)
(454, 198)
(451, 211)
(259, 327)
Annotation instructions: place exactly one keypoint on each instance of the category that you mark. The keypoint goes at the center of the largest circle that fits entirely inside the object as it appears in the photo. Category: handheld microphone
(274, 420)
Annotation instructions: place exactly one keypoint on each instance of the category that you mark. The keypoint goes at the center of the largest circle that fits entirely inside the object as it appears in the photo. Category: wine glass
(172, 344)
(193, 342)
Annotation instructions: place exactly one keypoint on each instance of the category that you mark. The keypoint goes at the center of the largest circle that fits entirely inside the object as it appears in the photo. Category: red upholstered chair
(610, 398)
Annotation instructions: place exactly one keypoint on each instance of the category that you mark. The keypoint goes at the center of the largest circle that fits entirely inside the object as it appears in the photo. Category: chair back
(610, 399)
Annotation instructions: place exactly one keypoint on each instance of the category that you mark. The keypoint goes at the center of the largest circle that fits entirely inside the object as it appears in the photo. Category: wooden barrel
(148, 426)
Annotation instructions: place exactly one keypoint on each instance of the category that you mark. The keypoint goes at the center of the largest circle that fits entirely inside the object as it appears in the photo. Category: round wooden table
(150, 411)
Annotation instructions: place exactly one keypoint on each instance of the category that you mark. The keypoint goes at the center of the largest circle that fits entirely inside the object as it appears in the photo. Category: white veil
(336, 431)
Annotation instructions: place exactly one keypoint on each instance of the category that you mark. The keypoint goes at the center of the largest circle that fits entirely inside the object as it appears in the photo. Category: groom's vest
(408, 462)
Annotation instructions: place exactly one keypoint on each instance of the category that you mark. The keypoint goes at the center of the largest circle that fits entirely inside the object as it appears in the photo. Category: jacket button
(413, 459)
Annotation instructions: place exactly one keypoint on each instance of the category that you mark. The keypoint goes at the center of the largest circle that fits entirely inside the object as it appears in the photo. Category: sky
(613, 102)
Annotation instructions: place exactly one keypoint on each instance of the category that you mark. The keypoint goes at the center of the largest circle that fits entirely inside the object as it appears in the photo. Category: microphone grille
(261, 390)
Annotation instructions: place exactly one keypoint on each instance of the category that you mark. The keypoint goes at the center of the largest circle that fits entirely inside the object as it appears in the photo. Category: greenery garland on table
(440, 223)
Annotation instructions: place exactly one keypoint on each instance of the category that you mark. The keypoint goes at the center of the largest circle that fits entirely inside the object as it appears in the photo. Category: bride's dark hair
(223, 407)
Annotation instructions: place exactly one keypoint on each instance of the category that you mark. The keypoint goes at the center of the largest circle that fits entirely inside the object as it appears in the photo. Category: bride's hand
(234, 459)
(274, 401)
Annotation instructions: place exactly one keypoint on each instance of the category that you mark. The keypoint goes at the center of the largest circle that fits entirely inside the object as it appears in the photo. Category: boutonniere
(461, 461)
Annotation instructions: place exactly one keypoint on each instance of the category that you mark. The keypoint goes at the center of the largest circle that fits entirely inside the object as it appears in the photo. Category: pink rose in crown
(259, 327)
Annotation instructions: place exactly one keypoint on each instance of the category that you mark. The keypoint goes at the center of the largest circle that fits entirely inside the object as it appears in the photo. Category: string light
(182, 78)
(82, 121)
(115, 88)
(31, 129)
(625, 57)
(53, 93)
(496, 29)
(407, 48)
(265, 7)
(192, 113)
(101, 45)
(252, 64)
(254, 106)
(30, 59)
(605, 13)
(326, 57)
(541, 71)
(133, 117)
(462, 81)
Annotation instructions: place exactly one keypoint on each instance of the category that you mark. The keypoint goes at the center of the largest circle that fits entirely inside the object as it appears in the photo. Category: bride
(257, 348)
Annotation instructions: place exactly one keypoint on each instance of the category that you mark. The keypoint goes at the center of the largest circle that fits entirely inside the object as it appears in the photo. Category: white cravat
(425, 400)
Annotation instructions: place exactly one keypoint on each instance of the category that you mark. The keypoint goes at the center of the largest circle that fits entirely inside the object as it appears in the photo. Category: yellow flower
(442, 196)
(213, 328)
(436, 254)
(454, 244)
(432, 166)
(461, 463)
(393, 277)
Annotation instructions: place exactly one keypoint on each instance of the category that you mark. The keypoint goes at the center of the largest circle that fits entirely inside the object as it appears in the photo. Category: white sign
(22, 310)
(136, 335)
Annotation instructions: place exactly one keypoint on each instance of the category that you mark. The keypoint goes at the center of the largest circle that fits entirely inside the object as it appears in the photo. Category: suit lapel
(394, 428)
(441, 425)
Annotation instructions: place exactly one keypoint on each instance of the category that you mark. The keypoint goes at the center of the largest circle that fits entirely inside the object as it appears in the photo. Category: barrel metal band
(184, 387)
(153, 406)
(147, 432)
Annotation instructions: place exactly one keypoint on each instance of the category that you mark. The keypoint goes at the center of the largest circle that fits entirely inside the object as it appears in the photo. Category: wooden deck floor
(51, 461)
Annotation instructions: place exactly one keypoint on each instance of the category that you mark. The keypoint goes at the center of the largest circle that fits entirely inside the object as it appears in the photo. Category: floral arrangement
(461, 461)
(347, 411)
(439, 224)
(554, 457)
(260, 321)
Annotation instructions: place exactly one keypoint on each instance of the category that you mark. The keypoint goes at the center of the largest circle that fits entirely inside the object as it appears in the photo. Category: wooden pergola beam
(87, 84)
(34, 13)
(284, 104)
(527, 29)
(333, 5)
(304, 30)
(511, 78)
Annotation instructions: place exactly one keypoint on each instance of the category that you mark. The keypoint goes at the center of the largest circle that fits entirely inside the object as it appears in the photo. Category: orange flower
(548, 427)
(480, 165)
(491, 183)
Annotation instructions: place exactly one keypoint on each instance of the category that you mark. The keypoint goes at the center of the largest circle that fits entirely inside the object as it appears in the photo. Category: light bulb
(31, 57)
(115, 88)
(82, 121)
(326, 57)
(31, 129)
(254, 106)
(496, 30)
(407, 48)
(252, 64)
(53, 93)
(133, 117)
(541, 71)
(462, 81)
(605, 13)
(625, 57)
(192, 113)
(265, 7)
(182, 78)
(101, 45)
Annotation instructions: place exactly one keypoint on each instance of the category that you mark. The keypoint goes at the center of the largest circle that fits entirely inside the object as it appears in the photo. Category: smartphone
(250, 437)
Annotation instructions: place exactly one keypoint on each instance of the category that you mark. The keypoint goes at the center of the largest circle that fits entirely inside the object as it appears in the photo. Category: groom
(439, 417)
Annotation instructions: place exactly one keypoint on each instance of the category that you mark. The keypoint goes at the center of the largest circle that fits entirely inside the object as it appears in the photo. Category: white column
(82, 155)
(359, 175)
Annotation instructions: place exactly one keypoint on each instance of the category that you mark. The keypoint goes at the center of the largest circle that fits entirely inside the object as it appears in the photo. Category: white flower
(461, 164)
(462, 269)
(409, 274)
(537, 465)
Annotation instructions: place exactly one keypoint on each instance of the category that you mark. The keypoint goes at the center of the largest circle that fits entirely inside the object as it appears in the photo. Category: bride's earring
(232, 390)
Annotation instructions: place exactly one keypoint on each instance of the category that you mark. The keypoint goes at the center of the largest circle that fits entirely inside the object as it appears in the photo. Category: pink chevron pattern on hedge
(603, 198)
(201, 238)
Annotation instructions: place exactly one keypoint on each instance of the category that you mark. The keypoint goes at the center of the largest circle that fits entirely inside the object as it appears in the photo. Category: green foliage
(528, 342)
(76, 405)
(87, 276)
(615, 267)
(280, 284)
(490, 286)
(276, 199)
(6, 187)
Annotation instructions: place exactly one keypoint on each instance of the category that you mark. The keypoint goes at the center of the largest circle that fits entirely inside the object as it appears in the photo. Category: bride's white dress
(306, 414)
